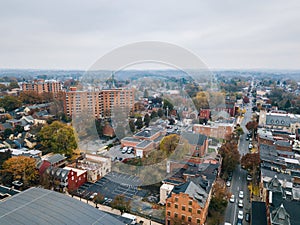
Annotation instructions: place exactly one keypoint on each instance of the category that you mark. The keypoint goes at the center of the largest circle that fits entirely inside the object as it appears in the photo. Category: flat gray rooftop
(41, 206)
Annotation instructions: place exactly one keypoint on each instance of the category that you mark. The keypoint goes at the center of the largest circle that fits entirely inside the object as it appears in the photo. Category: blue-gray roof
(143, 144)
(194, 138)
(55, 158)
(278, 120)
(40, 206)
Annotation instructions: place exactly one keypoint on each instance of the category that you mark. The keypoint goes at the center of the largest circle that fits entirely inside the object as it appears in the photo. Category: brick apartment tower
(41, 86)
(100, 103)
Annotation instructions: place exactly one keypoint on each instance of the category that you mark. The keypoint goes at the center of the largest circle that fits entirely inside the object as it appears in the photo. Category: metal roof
(41, 206)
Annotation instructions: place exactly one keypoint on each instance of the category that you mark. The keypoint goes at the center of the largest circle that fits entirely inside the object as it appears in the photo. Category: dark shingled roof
(259, 213)
(193, 190)
(194, 139)
(40, 206)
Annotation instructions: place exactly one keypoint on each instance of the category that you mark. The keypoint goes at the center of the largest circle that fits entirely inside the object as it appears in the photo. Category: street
(239, 178)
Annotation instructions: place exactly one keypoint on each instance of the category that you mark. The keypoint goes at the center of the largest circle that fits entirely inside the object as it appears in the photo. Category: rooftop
(40, 206)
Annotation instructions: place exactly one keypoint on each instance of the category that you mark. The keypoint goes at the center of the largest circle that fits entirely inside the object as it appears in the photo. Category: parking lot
(113, 184)
(116, 152)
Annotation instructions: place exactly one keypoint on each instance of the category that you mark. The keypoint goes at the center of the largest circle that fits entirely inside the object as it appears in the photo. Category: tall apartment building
(100, 103)
(41, 86)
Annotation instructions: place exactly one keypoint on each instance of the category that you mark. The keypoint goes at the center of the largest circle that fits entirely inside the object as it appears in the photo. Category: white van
(130, 216)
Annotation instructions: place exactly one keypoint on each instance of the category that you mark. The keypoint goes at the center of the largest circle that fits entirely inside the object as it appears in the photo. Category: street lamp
(150, 219)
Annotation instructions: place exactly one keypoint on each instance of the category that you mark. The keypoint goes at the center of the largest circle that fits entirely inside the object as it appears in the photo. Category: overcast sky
(224, 34)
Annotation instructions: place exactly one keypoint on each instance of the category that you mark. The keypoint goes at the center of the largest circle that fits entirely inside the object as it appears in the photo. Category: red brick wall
(75, 181)
(186, 208)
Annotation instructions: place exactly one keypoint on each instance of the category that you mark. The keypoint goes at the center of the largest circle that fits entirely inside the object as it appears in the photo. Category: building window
(176, 206)
(175, 215)
(169, 213)
(176, 199)
(169, 204)
(189, 219)
(183, 217)
(190, 210)
(198, 211)
(190, 202)
(183, 208)
(198, 221)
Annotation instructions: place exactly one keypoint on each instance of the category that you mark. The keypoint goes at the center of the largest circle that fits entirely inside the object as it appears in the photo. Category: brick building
(187, 204)
(198, 143)
(100, 103)
(42, 86)
(216, 130)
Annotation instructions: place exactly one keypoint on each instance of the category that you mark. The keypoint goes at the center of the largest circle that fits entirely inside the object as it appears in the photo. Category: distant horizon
(149, 69)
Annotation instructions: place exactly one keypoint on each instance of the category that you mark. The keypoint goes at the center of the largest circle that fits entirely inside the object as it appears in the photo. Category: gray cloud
(74, 34)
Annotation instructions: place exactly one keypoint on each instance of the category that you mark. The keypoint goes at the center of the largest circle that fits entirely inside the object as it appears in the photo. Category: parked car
(250, 146)
(247, 217)
(241, 215)
(228, 183)
(93, 195)
(247, 138)
(241, 194)
(130, 150)
(124, 150)
(240, 204)
(249, 177)
(239, 222)
(232, 199)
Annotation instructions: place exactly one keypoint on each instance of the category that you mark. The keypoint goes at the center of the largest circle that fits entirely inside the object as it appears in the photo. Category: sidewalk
(114, 211)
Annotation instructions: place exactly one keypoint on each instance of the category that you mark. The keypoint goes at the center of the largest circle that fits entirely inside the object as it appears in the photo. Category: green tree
(7, 132)
(146, 94)
(58, 138)
(13, 84)
(4, 156)
(139, 122)
(147, 120)
(10, 103)
(153, 115)
(287, 104)
(168, 104)
(131, 126)
(160, 113)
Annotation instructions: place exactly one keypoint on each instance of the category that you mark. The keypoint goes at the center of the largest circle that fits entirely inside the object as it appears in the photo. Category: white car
(124, 150)
(240, 215)
(241, 194)
(228, 183)
(240, 204)
(93, 195)
(232, 199)
(250, 146)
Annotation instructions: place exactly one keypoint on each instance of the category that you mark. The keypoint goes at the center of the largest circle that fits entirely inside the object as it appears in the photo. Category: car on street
(239, 222)
(232, 199)
(240, 204)
(247, 138)
(241, 215)
(249, 177)
(247, 217)
(250, 146)
(228, 183)
(241, 194)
